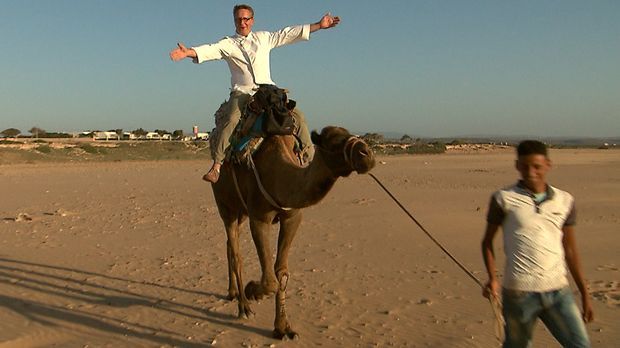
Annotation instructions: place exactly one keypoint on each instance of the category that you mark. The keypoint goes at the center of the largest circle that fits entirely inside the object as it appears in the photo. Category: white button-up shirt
(248, 57)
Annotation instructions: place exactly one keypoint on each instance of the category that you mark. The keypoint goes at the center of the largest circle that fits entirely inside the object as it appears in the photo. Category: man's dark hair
(531, 147)
(243, 7)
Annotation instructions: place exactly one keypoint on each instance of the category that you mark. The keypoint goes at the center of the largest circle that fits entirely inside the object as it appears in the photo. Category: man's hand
(588, 313)
(329, 21)
(491, 289)
(181, 52)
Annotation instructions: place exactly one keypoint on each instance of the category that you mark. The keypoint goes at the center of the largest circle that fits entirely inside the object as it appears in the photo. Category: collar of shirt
(548, 191)
(240, 39)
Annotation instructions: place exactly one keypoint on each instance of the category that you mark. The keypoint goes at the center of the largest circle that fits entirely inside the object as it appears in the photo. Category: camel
(290, 187)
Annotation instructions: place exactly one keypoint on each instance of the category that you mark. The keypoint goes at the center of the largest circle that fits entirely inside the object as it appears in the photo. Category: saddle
(269, 112)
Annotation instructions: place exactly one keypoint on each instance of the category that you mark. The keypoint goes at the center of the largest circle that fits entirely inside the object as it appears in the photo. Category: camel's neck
(292, 186)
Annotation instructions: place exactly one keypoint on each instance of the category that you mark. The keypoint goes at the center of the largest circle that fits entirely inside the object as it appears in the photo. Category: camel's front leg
(235, 269)
(288, 229)
(268, 283)
(233, 289)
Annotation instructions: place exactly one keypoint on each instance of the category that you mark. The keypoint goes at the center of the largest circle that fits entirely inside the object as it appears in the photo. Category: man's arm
(182, 52)
(328, 21)
(574, 265)
(488, 255)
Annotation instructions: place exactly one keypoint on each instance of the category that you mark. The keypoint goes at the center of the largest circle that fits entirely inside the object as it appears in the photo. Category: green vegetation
(37, 151)
(88, 148)
(9, 142)
(18, 152)
(44, 149)
(11, 132)
(416, 148)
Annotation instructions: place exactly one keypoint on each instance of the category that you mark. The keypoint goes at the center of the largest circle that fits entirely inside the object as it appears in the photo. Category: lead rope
(234, 175)
(262, 189)
(496, 304)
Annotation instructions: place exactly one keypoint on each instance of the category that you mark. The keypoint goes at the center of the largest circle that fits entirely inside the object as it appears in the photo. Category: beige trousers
(227, 117)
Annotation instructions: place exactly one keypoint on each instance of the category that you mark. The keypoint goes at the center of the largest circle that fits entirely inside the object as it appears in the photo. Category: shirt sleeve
(571, 219)
(209, 52)
(495, 215)
(289, 35)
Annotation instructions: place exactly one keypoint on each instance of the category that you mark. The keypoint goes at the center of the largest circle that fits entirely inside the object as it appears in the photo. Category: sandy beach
(133, 254)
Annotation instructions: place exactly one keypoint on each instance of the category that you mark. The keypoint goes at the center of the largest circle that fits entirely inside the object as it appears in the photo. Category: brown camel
(291, 187)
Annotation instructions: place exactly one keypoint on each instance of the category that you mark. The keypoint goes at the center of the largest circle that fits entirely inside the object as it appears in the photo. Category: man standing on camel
(247, 55)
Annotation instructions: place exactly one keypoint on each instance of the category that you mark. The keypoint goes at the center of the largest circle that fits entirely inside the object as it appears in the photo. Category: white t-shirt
(533, 236)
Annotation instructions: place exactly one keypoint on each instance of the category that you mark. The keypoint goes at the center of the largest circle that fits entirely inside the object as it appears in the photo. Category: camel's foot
(285, 333)
(232, 294)
(245, 310)
(255, 291)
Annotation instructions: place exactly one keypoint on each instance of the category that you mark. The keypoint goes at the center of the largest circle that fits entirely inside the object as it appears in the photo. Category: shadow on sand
(80, 293)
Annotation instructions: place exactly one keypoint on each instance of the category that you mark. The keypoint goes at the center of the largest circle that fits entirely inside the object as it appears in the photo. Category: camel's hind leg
(235, 280)
(288, 229)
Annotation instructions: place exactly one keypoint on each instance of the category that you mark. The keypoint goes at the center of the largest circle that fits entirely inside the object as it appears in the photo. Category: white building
(153, 136)
(105, 136)
(202, 136)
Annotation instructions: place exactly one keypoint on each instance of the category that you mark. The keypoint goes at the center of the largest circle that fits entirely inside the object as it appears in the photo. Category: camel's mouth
(361, 157)
(365, 160)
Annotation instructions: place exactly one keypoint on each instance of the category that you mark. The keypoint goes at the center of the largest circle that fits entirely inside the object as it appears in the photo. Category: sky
(426, 68)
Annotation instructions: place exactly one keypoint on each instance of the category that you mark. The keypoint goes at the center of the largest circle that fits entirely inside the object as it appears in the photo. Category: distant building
(105, 136)
(153, 136)
(129, 136)
(202, 136)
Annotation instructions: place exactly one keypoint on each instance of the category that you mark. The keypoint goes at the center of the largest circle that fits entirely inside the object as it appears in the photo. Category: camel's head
(343, 152)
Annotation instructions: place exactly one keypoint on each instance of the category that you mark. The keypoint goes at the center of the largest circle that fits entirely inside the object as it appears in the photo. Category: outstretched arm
(574, 265)
(182, 52)
(326, 22)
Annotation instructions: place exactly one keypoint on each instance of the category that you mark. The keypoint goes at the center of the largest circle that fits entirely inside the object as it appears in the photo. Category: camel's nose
(366, 161)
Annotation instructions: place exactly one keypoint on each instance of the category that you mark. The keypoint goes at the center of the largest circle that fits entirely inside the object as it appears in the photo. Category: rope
(496, 304)
(234, 175)
(262, 188)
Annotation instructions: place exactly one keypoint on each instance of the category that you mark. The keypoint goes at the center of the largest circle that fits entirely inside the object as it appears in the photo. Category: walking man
(538, 224)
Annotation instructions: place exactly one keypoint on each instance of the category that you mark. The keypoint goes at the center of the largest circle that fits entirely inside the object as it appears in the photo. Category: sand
(132, 254)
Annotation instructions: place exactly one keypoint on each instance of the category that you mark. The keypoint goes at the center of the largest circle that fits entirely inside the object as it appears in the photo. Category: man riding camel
(247, 55)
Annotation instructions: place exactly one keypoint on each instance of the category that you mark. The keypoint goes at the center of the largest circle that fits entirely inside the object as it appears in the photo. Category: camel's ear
(316, 138)
(290, 105)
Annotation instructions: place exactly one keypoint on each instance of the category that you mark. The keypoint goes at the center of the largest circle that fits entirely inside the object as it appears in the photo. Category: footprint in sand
(363, 201)
(607, 292)
(19, 218)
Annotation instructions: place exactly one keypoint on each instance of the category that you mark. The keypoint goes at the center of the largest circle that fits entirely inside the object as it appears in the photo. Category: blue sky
(428, 68)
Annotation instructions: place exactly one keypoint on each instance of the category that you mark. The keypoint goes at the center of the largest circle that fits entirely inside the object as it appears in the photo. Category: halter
(348, 155)
(353, 140)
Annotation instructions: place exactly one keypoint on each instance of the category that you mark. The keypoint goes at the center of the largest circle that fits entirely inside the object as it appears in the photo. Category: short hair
(243, 7)
(531, 147)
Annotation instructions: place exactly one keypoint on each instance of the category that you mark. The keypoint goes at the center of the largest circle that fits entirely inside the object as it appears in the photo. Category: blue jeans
(557, 310)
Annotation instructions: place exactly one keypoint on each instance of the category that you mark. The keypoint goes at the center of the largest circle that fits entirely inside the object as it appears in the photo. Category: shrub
(43, 149)
(88, 148)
